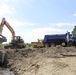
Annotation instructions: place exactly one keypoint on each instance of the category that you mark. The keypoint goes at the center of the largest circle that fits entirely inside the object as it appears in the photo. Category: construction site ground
(43, 61)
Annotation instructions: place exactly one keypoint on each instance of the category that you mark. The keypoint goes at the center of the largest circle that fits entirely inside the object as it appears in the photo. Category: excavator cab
(16, 42)
(17, 39)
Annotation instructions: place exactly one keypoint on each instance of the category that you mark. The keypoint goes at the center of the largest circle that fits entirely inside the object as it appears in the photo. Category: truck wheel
(52, 45)
(46, 45)
(63, 44)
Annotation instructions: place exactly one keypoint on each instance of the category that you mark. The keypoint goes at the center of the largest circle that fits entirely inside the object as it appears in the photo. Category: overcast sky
(32, 19)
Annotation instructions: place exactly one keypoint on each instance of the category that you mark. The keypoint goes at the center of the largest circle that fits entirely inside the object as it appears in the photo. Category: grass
(28, 45)
(2, 45)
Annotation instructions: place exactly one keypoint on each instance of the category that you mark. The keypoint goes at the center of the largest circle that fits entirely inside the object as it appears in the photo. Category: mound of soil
(43, 61)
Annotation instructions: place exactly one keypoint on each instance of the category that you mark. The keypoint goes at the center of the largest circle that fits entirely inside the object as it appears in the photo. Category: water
(4, 71)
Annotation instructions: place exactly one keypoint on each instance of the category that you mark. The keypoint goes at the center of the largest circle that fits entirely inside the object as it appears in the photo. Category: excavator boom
(16, 40)
(2, 38)
(4, 22)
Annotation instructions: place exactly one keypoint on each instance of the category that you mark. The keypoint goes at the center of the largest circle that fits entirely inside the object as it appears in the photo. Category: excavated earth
(43, 61)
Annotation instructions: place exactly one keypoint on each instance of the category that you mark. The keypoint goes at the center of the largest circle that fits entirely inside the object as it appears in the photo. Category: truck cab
(73, 40)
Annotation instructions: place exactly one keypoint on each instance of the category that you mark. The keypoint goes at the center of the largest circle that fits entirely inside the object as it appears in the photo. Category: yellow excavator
(16, 42)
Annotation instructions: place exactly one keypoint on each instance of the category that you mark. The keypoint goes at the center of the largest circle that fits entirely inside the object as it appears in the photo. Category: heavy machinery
(60, 39)
(57, 39)
(17, 41)
(38, 44)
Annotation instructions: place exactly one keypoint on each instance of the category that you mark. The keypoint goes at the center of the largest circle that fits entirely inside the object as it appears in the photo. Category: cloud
(16, 23)
(36, 33)
(74, 14)
(6, 9)
(17, 26)
(33, 34)
(29, 24)
(5, 0)
(28, 2)
(63, 24)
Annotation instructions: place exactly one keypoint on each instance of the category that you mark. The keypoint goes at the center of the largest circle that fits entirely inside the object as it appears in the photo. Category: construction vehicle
(17, 41)
(38, 44)
(57, 39)
(60, 39)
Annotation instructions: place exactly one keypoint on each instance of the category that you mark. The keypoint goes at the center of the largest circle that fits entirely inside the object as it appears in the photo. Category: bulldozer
(38, 44)
(16, 41)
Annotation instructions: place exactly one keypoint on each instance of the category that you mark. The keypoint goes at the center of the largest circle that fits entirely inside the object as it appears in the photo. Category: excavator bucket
(2, 39)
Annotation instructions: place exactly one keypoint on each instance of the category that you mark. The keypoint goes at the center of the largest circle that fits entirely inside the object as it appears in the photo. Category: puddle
(4, 71)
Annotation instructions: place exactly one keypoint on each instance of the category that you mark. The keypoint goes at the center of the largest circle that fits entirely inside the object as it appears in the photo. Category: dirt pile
(43, 61)
(5, 71)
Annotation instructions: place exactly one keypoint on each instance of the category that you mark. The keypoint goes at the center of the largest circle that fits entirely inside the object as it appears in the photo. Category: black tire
(46, 45)
(52, 45)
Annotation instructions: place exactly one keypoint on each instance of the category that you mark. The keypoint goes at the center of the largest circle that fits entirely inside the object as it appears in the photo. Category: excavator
(16, 42)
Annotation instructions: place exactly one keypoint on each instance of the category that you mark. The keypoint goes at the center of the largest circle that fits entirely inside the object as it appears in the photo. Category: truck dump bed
(53, 38)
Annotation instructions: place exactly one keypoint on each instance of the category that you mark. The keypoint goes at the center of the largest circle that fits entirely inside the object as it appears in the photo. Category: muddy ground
(43, 61)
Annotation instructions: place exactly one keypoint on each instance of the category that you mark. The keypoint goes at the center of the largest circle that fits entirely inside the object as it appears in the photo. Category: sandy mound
(43, 61)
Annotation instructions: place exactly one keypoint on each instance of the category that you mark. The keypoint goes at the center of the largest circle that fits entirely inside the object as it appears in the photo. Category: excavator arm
(2, 38)
(4, 22)
(1, 26)
(16, 40)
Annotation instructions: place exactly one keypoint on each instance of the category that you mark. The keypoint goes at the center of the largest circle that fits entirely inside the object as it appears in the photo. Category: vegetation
(74, 31)
(2, 45)
(28, 45)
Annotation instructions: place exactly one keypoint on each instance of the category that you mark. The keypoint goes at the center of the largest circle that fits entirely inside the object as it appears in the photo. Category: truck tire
(63, 44)
(46, 45)
(52, 45)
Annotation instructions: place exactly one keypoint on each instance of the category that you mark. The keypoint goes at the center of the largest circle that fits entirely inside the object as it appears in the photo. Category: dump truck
(60, 39)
